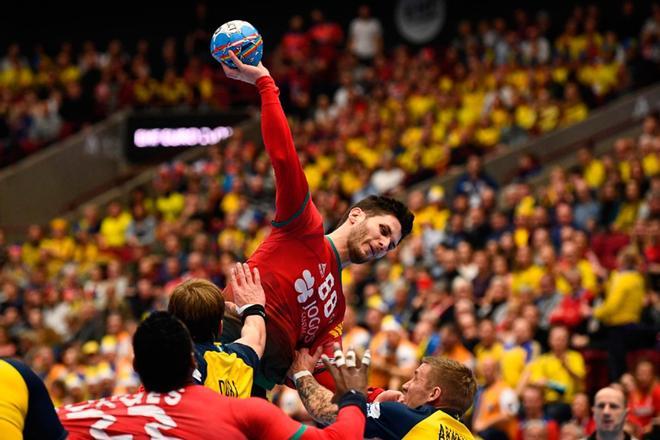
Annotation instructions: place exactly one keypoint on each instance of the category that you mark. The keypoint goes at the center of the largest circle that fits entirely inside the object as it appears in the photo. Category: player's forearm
(317, 400)
(253, 334)
(349, 424)
(290, 181)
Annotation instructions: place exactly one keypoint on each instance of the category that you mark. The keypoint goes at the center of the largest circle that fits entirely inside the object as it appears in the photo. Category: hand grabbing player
(348, 372)
(304, 360)
(244, 72)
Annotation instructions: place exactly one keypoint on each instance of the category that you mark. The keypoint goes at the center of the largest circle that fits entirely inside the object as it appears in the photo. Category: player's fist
(244, 72)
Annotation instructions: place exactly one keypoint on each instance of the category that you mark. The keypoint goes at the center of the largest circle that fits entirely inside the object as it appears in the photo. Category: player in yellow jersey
(26, 411)
(430, 407)
(225, 368)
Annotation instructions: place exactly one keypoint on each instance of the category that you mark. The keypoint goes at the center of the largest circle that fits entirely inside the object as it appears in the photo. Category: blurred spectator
(619, 316)
(518, 353)
(474, 182)
(644, 399)
(560, 372)
(533, 418)
(451, 346)
(581, 413)
(496, 406)
(114, 226)
(365, 35)
(393, 356)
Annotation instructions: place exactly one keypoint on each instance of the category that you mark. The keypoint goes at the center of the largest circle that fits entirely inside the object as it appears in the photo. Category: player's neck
(339, 238)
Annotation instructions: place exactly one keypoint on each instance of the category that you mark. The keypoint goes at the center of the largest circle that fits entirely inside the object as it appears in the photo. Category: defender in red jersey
(173, 408)
(300, 264)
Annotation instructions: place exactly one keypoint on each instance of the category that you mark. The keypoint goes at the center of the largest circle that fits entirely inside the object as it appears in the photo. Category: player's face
(372, 237)
(416, 391)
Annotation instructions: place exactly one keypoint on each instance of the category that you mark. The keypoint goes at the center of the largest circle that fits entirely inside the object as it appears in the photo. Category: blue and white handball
(241, 38)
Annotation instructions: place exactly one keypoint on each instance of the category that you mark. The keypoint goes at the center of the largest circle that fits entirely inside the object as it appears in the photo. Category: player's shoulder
(13, 367)
(307, 221)
(215, 349)
(242, 351)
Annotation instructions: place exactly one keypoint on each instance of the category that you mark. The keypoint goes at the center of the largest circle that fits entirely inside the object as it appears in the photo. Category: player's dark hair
(200, 305)
(163, 353)
(382, 205)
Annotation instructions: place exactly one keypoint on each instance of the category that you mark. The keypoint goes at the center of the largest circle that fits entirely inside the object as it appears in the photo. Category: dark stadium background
(51, 23)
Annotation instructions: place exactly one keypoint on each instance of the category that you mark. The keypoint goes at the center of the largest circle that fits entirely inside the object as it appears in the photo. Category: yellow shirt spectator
(144, 90)
(624, 299)
(515, 359)
(468, 115)
(624, 169)
(487, 136)
(627, 216)
(230, 203)
(59, 251)
(549, 370)
(231, 239)
(525, 116)
(16, 77)
(548, 118)
(173, 91)
(574, 114)
(651, 165)
(431, 215)
(113, 229)
(419, 105)
(496, 351)
(594, 174)
(446, 115)
(529, 277)
(435, 156)
(500, 117)
(350, 183)
(170, 206)
(30, 254)
(411, 137)
(314, 176)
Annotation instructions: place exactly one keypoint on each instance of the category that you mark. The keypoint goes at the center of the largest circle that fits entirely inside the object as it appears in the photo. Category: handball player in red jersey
(300, 265)
(172, 407)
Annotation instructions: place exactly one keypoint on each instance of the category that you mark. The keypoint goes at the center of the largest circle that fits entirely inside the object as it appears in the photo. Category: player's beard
(355, 241)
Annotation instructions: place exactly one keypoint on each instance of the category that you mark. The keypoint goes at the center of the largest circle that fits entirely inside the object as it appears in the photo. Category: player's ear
(435, 394)
(356, 215)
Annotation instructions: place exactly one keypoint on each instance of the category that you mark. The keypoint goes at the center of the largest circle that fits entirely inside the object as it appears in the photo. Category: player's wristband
(372, 393)
(353, 397)
(252, 310)
(300, 374)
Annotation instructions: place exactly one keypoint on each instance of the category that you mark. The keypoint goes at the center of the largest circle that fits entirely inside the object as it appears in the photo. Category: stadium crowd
(496, 83)
(549, 292)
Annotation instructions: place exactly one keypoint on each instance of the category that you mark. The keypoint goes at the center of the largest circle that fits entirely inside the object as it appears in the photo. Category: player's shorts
(277, 356)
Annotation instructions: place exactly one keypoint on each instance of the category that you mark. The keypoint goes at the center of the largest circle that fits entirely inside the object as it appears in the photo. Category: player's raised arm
(292, 190)
(251, 300)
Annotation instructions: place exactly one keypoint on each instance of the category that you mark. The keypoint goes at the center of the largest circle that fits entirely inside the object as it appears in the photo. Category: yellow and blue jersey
(26, 411)
(226, 368)
(395, 420)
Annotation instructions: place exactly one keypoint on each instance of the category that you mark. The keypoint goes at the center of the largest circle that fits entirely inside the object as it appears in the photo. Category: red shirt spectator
(644, 401)
(295, 43)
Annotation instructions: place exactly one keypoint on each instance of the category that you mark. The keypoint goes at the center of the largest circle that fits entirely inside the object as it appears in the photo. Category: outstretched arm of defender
(292, 190)
(320, 402)
(251, 301)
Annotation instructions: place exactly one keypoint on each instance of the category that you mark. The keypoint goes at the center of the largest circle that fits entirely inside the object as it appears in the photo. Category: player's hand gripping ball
(241, 38)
